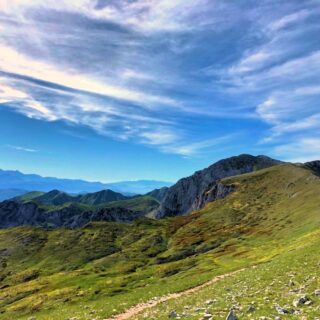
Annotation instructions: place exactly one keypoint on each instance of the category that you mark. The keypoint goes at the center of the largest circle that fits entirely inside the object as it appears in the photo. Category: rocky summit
(192, 193)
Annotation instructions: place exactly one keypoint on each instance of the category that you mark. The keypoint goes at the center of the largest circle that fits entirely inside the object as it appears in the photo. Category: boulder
(232, 316)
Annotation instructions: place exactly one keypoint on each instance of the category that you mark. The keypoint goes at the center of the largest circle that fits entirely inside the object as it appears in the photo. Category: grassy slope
(107, 267)
(30, 196)
(141, 203)
(264, 287)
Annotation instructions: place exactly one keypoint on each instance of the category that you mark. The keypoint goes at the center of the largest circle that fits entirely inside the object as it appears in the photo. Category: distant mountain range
(55, 208)
(15, 183)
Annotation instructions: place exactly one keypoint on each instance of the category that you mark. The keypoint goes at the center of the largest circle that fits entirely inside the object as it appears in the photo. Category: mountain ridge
(57, 197)
(187, 195)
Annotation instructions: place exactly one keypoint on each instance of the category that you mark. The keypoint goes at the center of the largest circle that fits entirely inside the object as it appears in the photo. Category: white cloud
(290, 19)
(133, 74)
(106, 119)
(301, 150)
(301, 68)
(252, 62)
(305, 123)
(20, 148)
(289, 72)
(289, 104)
(301, 125)
(192, 148)
(24, 103)
(8, 93)
(15, 62)
(287, 113)
(267, 111)
(158, 137)
(308, 90)
(145, 15)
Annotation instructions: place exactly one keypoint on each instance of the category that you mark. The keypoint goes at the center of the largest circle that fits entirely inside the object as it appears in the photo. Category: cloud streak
(20, 148)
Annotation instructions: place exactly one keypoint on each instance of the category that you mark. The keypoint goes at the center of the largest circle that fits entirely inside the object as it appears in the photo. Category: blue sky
(156, 89)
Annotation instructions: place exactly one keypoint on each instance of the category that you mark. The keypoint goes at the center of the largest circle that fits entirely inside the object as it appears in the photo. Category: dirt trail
(154, 302)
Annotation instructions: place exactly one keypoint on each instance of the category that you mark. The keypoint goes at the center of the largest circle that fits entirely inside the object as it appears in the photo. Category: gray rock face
(204, 186)
(159, 194)
(314, 166)
(14, 214)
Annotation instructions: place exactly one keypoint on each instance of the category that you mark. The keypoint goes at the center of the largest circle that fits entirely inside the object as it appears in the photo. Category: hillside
(271, 217)
(57, 198)
(54, 197)
(101, 197)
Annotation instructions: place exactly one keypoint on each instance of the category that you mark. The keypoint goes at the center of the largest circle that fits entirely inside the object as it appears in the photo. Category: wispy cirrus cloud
(302, 150)
(196, 147)
(20, 148)
(287, 113)
(143, 15)
(291, 19)
(13, 62)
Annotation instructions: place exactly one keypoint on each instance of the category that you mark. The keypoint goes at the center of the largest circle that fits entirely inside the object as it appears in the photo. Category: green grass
(276, 282)
(30, 196)
(106, 267)
(141, 203)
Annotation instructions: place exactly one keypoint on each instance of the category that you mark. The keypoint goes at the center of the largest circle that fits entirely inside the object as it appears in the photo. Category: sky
(114, 90)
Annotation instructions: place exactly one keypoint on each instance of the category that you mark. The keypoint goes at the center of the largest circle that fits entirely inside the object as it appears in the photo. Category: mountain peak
(193, 192)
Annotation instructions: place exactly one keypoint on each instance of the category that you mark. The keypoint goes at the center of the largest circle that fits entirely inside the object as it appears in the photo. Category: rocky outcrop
(314, 166)
(159, 194)
(215, 192)
(14, 214)
(192, 193)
